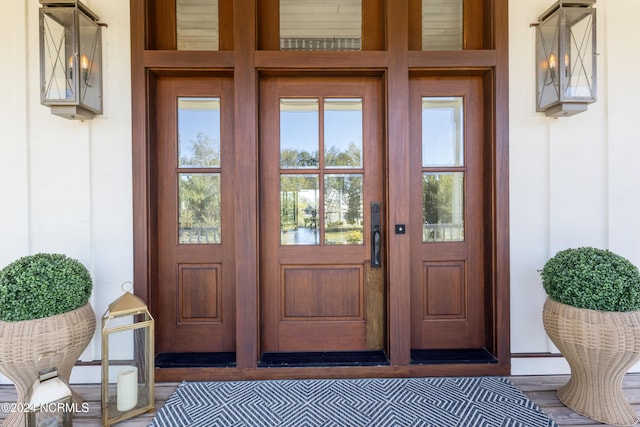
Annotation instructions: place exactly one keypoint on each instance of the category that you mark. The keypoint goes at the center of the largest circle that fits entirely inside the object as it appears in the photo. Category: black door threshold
(195, 360)
(440, 357)
(323, 359)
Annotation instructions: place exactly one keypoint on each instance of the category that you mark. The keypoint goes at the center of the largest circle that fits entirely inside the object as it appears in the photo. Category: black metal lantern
(566, 58)
(70, 59)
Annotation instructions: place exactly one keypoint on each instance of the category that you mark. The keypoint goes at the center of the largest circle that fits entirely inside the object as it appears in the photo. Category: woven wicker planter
(600, 348)
(32, 345)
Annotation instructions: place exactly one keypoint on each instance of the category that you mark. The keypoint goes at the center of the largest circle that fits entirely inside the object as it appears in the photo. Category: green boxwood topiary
(591, 278)
(42, 285)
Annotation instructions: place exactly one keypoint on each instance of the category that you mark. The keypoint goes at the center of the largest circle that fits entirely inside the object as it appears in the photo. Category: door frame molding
(489, 59)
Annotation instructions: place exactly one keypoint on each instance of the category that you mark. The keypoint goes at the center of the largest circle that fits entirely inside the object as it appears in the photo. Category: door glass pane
(343, 209)
(299, 216)
(442, 132)
(199, 208)
(343, 133)
(443, 207)
(299, 133)
(197, 24)
(320, 25)
(442, 24)
(199, 132)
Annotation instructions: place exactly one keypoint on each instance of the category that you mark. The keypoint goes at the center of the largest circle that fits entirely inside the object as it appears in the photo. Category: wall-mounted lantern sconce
(70, 59)
(566, 58)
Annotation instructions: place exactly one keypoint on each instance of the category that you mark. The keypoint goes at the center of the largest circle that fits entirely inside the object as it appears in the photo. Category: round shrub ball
(591, 278)
(42, 285)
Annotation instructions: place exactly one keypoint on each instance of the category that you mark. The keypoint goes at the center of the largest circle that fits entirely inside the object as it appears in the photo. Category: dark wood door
(321, 176)
(447, 253)
(194, 303)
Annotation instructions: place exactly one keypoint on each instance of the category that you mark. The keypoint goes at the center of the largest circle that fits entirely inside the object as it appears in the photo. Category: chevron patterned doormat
(446, 402)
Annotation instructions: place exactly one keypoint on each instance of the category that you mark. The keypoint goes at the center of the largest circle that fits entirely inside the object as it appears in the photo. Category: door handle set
(376, 235)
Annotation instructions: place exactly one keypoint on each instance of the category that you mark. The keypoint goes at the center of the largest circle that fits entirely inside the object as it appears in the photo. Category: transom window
(320, 24)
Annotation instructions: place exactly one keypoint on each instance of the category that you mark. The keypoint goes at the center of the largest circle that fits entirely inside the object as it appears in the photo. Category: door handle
(376, 235)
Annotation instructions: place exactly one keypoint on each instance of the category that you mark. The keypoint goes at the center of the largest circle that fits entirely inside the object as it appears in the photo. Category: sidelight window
(199, 176)
(443, 169)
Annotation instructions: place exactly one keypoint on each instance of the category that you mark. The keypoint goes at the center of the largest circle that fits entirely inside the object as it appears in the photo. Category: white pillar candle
(127, 389)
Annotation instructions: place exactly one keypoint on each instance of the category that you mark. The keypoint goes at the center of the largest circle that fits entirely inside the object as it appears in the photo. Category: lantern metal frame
(70, 59)
(566, 67)
(52, 396)
(128, 314)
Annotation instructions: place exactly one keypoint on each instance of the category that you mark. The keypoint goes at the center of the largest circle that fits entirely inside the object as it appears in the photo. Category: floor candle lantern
(127, 359)
(49, 401)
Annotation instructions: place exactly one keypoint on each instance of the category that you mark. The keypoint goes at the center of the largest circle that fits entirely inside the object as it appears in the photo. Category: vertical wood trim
(473, 24)
(398, 194)
(139, 153)
(373, 20)
(246, 170)
(415, 24)
(165, 24)
(269, 24)
(500, 11)
(225, 24)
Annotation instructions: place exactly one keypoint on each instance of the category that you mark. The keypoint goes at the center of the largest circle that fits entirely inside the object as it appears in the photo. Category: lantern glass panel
(89, 58)
(57, 57)
(548, 50)
(127, 369)
(578, 57)
(55, 414)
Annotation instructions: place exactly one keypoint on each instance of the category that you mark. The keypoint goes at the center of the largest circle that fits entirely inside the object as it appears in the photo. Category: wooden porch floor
(540, 389)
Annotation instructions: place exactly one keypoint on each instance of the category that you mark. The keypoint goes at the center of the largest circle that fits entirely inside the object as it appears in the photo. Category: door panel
(447, 261)
(321, 167)
(195, 304)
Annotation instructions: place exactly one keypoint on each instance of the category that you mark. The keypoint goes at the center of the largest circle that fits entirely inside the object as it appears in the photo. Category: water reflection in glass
(343, 209)
(299, 215)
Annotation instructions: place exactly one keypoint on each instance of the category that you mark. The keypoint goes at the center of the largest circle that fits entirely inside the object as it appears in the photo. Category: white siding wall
(573, 180)
(65, 186)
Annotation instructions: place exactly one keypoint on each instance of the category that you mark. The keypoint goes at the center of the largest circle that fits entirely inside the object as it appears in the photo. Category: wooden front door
(448, 295)
(321, 214)
(194, 304)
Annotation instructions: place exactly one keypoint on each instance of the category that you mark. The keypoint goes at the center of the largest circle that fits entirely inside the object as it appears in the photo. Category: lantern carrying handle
(127, 287)
(45, 355)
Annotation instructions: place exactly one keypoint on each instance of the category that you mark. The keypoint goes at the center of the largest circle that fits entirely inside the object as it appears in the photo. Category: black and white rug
(446, 402)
